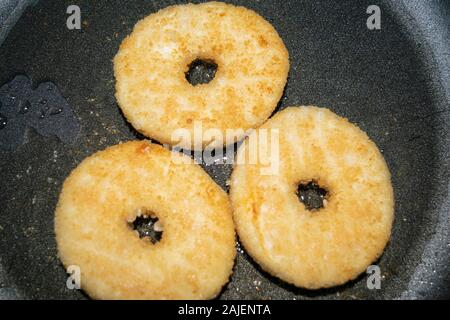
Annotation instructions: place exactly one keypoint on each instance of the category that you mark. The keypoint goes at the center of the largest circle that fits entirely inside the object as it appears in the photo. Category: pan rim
(425, 23)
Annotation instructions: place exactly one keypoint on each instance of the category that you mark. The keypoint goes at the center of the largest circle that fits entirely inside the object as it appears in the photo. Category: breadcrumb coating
(150, 67)
(193, 259)
(330, 246)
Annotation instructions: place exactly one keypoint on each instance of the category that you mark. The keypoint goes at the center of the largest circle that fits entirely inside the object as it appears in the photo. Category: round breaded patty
(151, 65)
(328, 246)
(107, 191)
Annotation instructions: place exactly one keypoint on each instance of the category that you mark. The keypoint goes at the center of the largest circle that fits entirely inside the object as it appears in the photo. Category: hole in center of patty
(312, 195)
(147, 226)
(201, 71)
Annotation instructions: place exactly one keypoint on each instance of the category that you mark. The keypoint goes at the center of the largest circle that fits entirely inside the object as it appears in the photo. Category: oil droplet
(3, 121)
(45, 108)
(25, 107)
(239, 247)
(56, 111)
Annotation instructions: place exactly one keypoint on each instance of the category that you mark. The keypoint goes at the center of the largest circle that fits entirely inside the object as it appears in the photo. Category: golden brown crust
(195, 256)
(150, 67)
(334, 245)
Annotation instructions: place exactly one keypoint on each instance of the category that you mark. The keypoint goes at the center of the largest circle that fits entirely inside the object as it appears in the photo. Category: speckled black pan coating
(387, 82)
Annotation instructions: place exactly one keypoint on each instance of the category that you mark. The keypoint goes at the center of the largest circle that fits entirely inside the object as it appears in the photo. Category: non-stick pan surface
(394, 83)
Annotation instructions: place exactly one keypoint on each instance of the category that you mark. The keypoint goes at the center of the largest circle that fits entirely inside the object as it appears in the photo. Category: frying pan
(394, 83)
